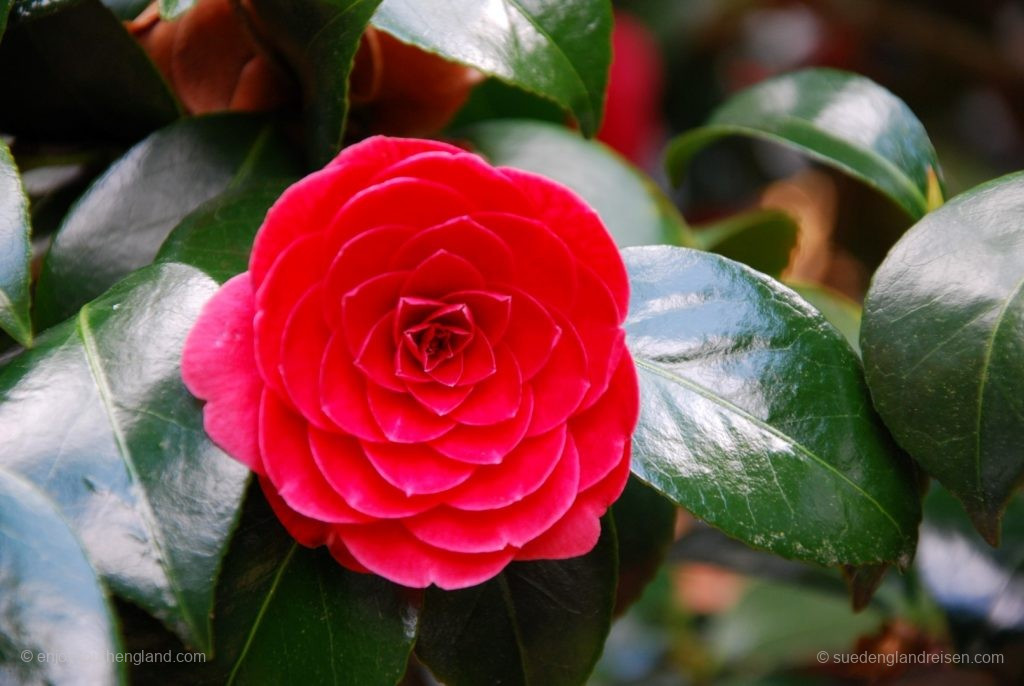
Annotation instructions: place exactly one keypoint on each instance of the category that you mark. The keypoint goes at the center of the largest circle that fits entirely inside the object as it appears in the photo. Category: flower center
(438, 334)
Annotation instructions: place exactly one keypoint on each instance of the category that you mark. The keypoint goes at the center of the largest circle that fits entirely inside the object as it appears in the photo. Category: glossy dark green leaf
(170, 9)
(645, 523)
(556, 49)
(846, 121)
(842, 312)
(217, 237)
(97, 416)
(290, 615)
(755, 416)
(121, 221)
(15, 252)
(58, 83)
(943, 340)
(319, 38)
(5, 10)
(537, 623)
(762, 239)
(55, 624)
(126, 10)
(632, 207)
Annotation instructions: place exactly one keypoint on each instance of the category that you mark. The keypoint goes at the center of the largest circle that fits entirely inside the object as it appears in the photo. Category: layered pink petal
(377, 356)
(487, 444)
(361, 259)
(439, 399)
(463, 237)
(347, 469)
(543, 265)
(291, 468)
(388, 549)
(218, 365)
(490, 188)
(574, 222)
(416, 469)
(597, 322)
(441, 273)
(402, 201)
(603, 432)
(296, 270)
(560, 386)
(303, 344)
(521, 473)
(343, 393)
(491, 311)
(365, 305)
(532, 333)
(495, 399)
(402, 419)
(515, 525)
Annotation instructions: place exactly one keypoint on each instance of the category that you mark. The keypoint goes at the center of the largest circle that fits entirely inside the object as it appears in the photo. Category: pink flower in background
(632, 120)
(425, 364)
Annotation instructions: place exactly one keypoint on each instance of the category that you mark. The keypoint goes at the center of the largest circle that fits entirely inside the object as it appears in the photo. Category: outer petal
(580, 227)
(296, 270)
(310, 204)
(218, 365)
(515, 525)
(387, 549)
(603, 432)
(465, 170)
(308, 532)
(291, 468)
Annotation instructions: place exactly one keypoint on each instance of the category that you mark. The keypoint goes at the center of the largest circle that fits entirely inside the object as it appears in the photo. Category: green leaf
(840, 311)
(943, 340)
(762, 239)
(556, 49)
(541, 623)
(755, 416)
(5, 9)
(171, 9)
(119, 224)
(55, 625)
(645, 523)
(217, 238)
(840, 119)
(96, 415)
(288, 614)
(632, 207)
(15, 252)
(60, 84)
(319, 39)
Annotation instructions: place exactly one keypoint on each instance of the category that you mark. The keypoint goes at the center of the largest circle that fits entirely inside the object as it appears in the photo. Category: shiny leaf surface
(52, 604)
(287, 614)
(318, 38)
(540, 623)
(60, 85)
(96, 416)
(755, 416)
(558, 50)
(169, 9)
(632, 207)
(120, 222)
(843, 120)
(840, 311)
(15, 252)
(217, 237)
(943, 340)
(761, 239)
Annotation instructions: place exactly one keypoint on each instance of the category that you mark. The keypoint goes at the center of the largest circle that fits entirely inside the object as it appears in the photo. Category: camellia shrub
(337, 350)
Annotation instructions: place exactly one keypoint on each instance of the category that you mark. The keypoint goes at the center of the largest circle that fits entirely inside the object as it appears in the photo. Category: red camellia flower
(425, 364)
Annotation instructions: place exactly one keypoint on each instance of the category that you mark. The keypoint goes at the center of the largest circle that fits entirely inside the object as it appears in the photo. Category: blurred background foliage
(719, 612)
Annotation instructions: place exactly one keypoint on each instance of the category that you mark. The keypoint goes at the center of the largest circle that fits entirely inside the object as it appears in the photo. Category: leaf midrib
(709, 395)
(985, 368)
(106, 396)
